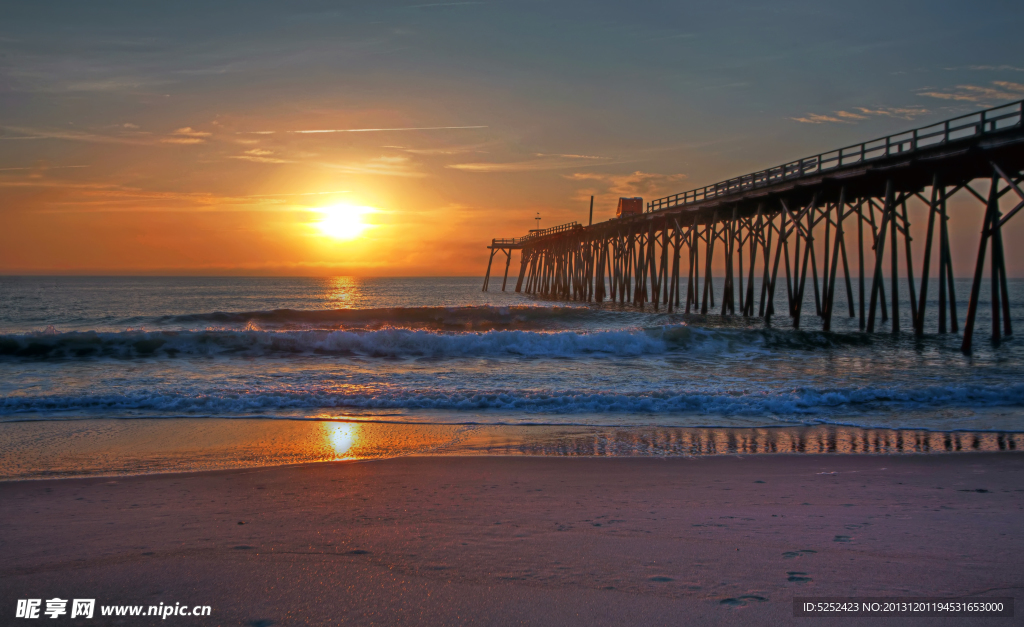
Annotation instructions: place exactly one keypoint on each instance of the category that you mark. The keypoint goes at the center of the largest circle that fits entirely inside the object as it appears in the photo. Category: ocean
(88, 360)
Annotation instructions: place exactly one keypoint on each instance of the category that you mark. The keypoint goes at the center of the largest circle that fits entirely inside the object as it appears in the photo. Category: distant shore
(500, 540)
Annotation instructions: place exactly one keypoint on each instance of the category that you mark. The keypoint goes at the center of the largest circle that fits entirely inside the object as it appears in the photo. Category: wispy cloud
(43, 167)
(259, 155)
(211, 71)
(861, 113)
(337, 191)
(113, 84)
(817, 118)
(186, 135)
(381, 130)
(903, 113)
(989, 68)
(24, 133)
(541, 163)
(115, 198)
(76, 76)
(100, 197)
(634, 184)
(383, 165)
(441, 4)
(444, 150)
(34, 181)
(570, 156)
(1002, 90)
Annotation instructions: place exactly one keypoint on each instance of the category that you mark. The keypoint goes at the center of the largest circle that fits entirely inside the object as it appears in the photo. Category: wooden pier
(765, 224)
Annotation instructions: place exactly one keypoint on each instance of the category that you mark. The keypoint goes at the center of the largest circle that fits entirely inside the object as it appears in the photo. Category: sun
(343, 222)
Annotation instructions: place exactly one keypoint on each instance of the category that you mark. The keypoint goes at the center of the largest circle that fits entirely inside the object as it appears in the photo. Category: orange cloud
(383, 165)
(635, 184)
(904, 113)
(186, 135)
(863, 113)
(259, 155)
(816, 118)
(24, 133)
(1003, 90)
(542, 162)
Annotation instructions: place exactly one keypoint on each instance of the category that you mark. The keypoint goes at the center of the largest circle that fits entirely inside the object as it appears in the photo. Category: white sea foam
(380, 343)
(800, 403)
(403, 342)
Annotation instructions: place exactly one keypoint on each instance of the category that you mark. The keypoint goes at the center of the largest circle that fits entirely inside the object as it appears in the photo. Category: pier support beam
(487, 277)
(639, 259)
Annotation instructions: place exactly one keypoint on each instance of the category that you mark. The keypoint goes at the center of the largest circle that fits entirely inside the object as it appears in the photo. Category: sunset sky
(249, 137)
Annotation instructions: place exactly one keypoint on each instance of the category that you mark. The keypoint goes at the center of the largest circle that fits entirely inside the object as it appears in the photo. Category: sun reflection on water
(341, 437)
(343, 291)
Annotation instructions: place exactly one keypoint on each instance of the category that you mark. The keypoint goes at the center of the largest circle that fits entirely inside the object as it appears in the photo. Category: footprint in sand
(798, 577)
(741, 601)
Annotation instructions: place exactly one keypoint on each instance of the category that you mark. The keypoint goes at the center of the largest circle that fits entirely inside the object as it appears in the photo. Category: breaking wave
(382, 343)
(802, 404)
(400, 342)
(479, 318)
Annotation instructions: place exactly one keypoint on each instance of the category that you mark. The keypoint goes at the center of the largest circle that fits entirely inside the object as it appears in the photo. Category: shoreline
(465, 540)
(378, 460)
(40, 450)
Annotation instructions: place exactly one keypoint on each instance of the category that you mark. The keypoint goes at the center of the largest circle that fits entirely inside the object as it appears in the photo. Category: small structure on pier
(629, 206)
(776, 215)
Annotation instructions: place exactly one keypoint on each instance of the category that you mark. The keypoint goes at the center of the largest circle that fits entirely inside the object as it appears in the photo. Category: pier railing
(508, 241)
(561, 228)
(967, 126)
(535, 234)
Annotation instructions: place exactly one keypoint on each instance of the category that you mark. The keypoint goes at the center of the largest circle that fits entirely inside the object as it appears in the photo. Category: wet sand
(50, 449)
(510, 540)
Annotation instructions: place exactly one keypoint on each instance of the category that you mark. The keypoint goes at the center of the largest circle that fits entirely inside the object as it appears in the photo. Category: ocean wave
(475, 318)
(381, 343)
(402, 342)
(804, 403)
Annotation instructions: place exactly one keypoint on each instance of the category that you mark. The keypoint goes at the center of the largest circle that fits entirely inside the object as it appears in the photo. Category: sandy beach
(491, 540)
